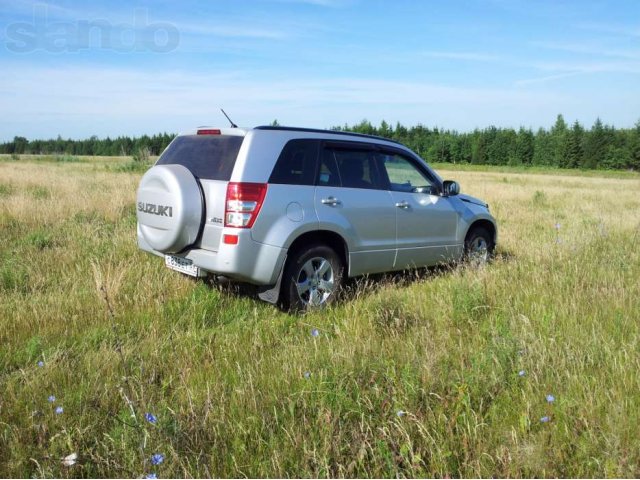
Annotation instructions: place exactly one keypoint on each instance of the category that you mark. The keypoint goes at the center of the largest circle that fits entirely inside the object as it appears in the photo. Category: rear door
(210, 157)
(426, 222)
(350, 196)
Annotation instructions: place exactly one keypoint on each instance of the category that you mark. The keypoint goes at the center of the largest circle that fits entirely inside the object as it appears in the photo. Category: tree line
(562, 146)
(154, 144)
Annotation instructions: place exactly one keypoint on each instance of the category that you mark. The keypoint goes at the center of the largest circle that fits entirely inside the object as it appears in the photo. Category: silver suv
(296, 210)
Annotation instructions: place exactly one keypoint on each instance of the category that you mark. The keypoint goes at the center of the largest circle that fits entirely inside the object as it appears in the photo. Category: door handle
(331, 201)
(403, 204)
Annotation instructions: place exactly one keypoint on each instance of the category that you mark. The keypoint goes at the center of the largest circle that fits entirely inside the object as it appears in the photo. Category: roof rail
(332, 132)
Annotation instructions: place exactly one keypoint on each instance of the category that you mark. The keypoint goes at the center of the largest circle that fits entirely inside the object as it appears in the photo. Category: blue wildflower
(150, 417)
(401, 413)
(551, 398)
(59, 410)
(545, 419)
(315, 332)
(157, 459)
(51, 398)
(307, 375)
(522, 373)
(557, 226)
(41, 363)
(151, 475)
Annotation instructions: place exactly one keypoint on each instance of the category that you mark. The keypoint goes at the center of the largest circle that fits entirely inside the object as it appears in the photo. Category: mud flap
(271, 293)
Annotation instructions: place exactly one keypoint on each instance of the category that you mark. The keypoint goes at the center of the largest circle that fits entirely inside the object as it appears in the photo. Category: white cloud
(29, 7)
(186, 91)
(616, 29)
(83, 101)
(320, 3)
(589, 49)
(231, 30)
(223, 26)
(588, 67)
(548, 78)
(472, 56)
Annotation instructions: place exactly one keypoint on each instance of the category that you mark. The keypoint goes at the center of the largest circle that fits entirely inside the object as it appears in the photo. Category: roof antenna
(233, 125)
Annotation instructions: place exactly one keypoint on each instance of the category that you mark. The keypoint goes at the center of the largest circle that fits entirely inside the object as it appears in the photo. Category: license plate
(181, 265)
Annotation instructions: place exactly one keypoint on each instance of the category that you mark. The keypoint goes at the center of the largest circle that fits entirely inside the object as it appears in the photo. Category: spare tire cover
(169, 208)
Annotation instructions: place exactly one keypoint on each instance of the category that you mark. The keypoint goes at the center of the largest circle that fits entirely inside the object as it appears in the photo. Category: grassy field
(434, 374)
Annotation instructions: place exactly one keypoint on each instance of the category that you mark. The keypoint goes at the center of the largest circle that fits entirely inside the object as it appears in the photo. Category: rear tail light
(243, 203)
(209, 131)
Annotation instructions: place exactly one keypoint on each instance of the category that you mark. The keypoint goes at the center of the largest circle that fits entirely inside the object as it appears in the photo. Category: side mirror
(450, 188)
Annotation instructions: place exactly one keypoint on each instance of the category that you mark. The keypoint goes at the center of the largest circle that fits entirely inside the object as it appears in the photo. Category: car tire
(478, 246)
(312, 278)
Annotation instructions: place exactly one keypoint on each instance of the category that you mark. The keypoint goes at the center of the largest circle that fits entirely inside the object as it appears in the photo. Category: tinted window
(349, 168)
(297, 163)
(210, 157)
(328, 175)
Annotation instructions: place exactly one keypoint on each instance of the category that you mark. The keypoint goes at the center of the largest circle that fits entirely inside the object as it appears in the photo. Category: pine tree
(479, 148)
(559, 140)
(634, 147)
(524, 147)
(400, 133)
(385, 130)
(595, 146)
(543, 148)
(575, 150)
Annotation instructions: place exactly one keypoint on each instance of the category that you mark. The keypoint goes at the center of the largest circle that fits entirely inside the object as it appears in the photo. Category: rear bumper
(248, 261)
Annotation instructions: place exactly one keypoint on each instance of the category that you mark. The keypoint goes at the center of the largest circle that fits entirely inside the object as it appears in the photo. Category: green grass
(132, 166)
(66, 158)
(109, 163)
(538, 170)
(5, 190)
(416, 376)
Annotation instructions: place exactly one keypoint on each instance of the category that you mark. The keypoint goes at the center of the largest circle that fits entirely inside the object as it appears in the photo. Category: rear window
(209, 157)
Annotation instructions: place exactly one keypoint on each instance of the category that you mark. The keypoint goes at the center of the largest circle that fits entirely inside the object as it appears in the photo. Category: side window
(349, 169)
(297, 163)
(404, 176)
(328, 175)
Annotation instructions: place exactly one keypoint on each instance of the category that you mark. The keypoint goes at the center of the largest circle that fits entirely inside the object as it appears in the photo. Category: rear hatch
(210, 155)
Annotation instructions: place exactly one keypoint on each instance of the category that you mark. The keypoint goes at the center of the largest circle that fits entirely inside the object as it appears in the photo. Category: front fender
(470, 213)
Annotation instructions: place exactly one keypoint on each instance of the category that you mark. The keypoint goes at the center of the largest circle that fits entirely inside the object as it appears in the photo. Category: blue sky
(168, 66)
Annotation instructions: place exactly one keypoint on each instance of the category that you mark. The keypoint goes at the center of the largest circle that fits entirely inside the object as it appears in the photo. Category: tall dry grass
(431, 374)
